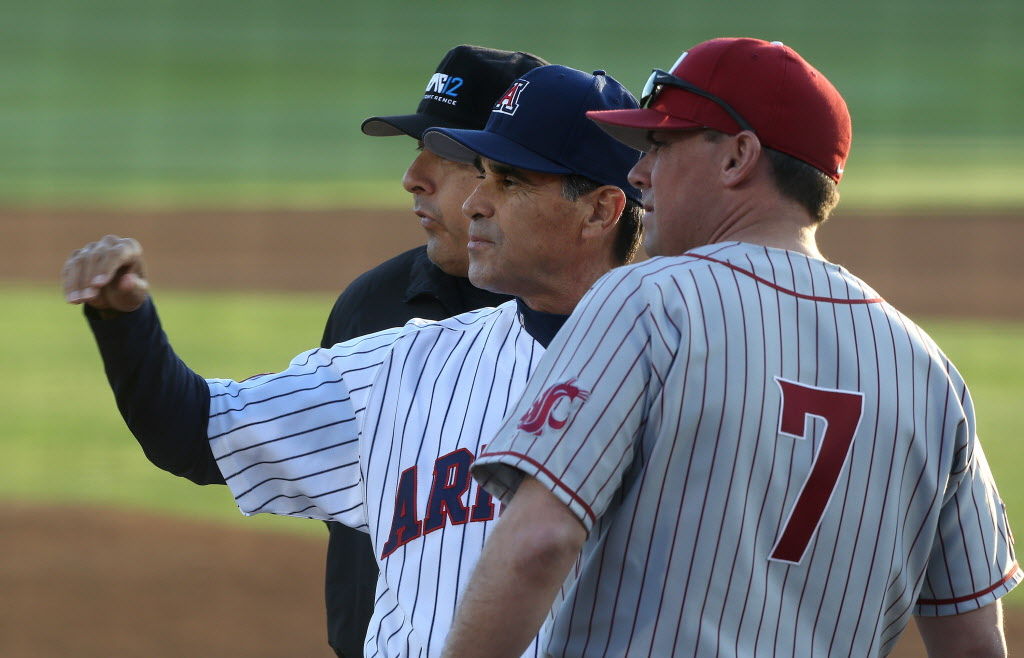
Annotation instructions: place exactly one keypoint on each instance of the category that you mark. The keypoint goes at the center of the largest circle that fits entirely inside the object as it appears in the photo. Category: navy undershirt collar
(542, 326)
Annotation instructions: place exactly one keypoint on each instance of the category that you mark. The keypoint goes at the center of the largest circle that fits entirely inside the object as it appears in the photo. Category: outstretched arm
(164, 403)
(975, 634)
(524, 563)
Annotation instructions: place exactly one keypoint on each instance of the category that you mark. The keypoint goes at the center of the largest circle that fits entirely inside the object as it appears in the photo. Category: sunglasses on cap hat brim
(660, 79)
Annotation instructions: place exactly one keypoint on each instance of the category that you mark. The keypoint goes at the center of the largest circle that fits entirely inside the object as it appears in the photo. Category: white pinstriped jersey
(795, 461)
(379, 433)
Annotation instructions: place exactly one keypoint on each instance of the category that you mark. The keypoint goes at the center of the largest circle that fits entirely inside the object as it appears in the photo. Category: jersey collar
(542, 326)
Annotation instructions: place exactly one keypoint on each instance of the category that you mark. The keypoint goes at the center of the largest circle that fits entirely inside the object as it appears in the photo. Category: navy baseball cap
(460, 93)
(540, 124)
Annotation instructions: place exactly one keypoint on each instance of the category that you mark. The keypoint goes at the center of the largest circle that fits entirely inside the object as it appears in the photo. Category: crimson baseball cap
(723, 84)
(460, 93)
(540, 124)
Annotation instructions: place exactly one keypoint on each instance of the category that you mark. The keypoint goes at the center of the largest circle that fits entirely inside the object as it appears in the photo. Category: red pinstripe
(813, 298)
(969, 597)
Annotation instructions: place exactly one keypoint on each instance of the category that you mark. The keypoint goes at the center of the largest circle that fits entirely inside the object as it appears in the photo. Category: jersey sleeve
(972, 562)
(164, 403)
(577, 426)
(288, 443)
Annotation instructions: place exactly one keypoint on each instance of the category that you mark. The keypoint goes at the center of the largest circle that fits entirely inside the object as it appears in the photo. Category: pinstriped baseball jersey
(379, 433)
(795, 461)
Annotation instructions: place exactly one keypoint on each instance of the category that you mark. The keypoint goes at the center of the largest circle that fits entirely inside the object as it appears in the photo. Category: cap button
(599, 72)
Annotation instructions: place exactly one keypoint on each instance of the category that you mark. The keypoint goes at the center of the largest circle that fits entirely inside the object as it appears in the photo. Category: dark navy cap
(541, 124)
(460, 93)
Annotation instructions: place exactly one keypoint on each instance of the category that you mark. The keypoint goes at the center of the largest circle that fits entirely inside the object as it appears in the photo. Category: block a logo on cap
(509, 101)
(443, 88)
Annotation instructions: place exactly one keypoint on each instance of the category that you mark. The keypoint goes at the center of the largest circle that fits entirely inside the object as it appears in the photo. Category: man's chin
(480, 277)
(447, 259)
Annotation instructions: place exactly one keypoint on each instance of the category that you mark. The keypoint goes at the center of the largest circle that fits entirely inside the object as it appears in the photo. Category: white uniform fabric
(378, 433)
(657, 417)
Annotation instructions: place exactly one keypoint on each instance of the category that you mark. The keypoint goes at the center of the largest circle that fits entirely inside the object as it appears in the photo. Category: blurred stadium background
(227, 134)
(188, 102)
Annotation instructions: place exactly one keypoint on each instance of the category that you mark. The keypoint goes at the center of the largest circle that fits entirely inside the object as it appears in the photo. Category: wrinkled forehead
(484, 165)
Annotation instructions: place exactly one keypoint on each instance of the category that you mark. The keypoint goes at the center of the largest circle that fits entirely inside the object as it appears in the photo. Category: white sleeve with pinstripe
(304, 460)
(770, 460)
(379, 433)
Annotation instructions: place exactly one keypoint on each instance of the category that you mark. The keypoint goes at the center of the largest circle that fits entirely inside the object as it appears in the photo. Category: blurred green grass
(63, 437)
(217, 103)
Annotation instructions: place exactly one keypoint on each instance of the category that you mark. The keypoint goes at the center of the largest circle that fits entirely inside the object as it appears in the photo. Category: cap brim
(466, 145)
(412, 125)
(632, 127)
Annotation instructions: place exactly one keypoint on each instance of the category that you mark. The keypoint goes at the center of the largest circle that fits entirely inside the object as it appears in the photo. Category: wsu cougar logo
(542, 411)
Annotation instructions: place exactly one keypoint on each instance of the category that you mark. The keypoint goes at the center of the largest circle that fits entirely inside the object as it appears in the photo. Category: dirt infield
(95, 582)
(91, 582)
(955, 264)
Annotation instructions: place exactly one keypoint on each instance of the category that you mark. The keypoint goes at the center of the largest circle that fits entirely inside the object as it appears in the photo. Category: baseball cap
(540, 124)
(733, 84)
(460, 93)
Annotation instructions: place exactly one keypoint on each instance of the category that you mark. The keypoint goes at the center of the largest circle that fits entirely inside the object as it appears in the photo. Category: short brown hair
(808, 186)
(797, 180)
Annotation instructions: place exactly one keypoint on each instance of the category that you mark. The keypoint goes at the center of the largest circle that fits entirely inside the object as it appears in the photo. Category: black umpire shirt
(407, 286)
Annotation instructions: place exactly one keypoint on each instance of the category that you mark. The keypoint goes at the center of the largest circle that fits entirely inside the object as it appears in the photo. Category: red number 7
(841, 411)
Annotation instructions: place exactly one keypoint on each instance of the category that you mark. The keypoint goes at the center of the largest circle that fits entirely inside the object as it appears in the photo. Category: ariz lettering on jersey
(446, 503)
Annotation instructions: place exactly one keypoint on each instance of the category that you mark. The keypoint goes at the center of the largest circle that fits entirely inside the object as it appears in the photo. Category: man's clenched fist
(107, 275)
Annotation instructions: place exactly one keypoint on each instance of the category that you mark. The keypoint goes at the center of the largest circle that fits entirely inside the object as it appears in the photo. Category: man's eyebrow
(508, 170)
(479, 164)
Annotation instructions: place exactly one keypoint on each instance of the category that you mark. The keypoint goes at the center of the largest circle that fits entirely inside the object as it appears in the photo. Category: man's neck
(559, 302)
(780, 225)
(799, 239)
(561, 292)
(542, 326)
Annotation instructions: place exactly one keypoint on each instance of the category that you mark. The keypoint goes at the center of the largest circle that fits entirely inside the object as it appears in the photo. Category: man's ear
(740, 157)
(606, 204)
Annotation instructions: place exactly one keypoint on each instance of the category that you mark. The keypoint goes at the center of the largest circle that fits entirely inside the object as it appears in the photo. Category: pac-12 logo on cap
(542, 413)
(509, 102)
(442, 83)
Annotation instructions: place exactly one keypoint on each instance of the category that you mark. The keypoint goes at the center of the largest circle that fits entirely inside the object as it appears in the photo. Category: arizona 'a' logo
(509, 102)
(541, 414)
